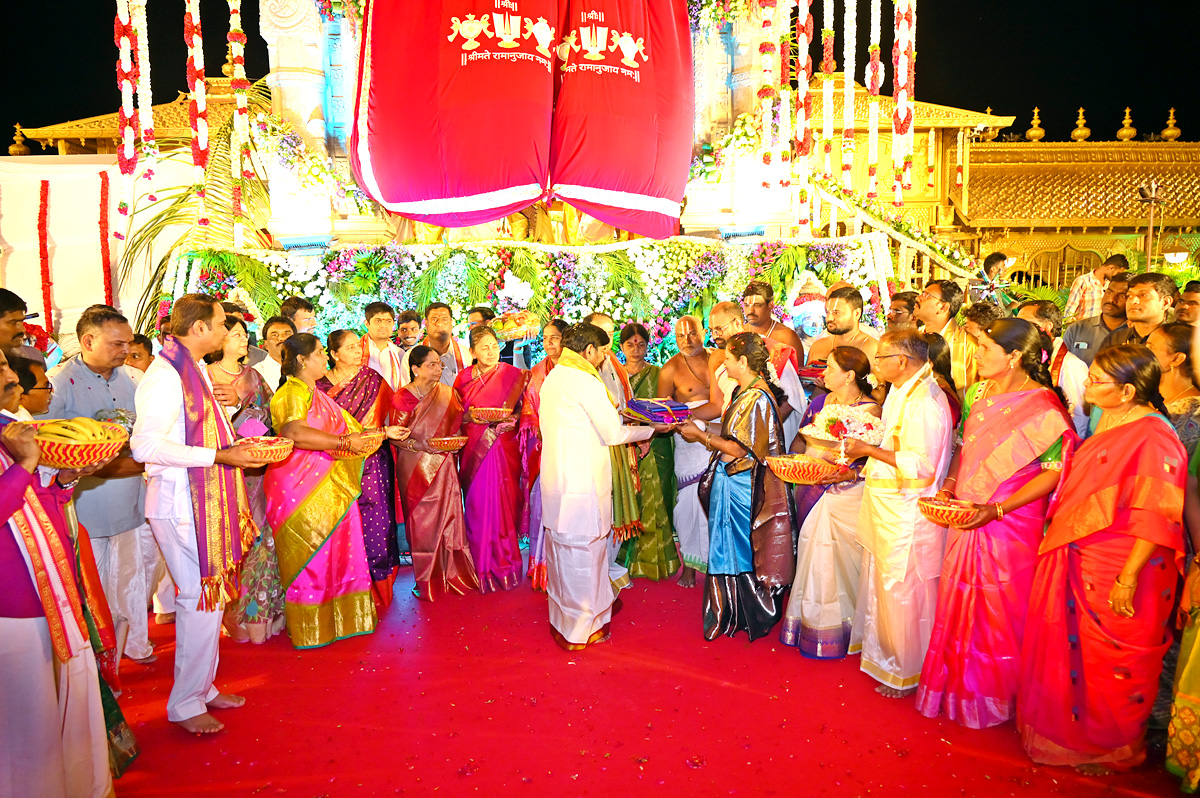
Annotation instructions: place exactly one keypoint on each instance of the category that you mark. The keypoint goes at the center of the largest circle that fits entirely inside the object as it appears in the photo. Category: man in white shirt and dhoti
(578, 422)
(902, 550)
(195, 501)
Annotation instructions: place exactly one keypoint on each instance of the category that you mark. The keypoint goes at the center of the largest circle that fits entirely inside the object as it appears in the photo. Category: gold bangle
(999, 511)
(1122, 584)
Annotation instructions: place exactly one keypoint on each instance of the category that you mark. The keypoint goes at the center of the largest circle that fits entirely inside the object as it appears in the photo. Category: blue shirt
(106, 507)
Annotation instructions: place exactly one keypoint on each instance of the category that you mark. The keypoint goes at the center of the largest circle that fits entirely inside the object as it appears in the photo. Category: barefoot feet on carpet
(1094, 769)
(145, 660)
(226, 701)
(687, 577)
(201, 724)
(891, 692)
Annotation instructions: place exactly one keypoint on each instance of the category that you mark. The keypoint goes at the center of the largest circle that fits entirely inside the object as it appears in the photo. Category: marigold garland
(239, 145)
(105, 252)
(44, 250)
(874, 79)
(902, 116)
(804, 67)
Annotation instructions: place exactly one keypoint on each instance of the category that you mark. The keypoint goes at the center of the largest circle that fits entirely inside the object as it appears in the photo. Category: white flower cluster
(597, 296)
(660, 275)
(297, 275)
(242, 297)
(737, 274)
(515, 294)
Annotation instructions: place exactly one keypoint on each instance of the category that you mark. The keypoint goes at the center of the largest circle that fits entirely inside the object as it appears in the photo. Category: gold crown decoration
(1036, 133)
(1128, 131)
(990, 133)
(1171, 131)
(1081, 131)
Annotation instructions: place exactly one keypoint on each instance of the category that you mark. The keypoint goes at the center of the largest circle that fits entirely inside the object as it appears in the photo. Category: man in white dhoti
(902, 551)
(53, 740)
(195, 500)
(578, 422)
(684, 378)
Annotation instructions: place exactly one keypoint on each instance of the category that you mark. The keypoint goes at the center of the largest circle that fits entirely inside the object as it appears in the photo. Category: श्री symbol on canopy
(461, 118)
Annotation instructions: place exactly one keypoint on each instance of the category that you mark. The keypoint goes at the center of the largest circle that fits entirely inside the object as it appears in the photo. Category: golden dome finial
(1171, 131)
(1081, 131)
(1128, 131)
(1036, 133)
(18, 146)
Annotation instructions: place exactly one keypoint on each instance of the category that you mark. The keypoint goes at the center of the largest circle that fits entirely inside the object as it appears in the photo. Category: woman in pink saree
(1015, 436)
(312, 505)
(428, 480)
(531, 452)
(490, 464)
(1104, 589)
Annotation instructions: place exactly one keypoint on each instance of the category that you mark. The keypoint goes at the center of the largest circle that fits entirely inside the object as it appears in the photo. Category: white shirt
(158, 441)
(268, 369)
(578, 423)
(386, 362)
(1070, 379)
(449, 363)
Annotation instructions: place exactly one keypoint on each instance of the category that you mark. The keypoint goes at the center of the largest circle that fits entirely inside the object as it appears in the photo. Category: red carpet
(471, 696)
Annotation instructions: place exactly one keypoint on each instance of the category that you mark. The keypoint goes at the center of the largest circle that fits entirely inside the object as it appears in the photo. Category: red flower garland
(105, 253)
(44, 250)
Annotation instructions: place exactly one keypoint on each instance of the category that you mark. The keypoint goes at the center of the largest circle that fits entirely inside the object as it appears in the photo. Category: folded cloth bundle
(658, 411)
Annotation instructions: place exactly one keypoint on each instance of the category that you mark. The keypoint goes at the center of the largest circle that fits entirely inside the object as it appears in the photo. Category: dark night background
(1055, 54)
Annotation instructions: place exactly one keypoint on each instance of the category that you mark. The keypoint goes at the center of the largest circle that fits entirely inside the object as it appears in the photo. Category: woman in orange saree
(490, 463)
(1104, 588)
(1015, 437)
(428, 480)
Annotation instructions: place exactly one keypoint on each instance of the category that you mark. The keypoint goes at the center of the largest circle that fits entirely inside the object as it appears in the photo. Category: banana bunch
(74, 430)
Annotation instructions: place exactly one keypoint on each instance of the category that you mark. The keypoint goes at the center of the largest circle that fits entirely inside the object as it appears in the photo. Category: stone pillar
(295, 40)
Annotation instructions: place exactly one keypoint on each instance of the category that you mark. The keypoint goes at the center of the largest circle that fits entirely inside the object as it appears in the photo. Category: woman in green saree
(651, 554)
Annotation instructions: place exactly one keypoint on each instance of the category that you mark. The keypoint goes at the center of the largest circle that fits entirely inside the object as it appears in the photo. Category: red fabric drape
(452, 117)
(623, 113)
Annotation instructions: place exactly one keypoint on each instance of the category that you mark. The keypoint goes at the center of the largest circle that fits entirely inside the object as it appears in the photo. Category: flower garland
(239, 145)
(827, 36)
(902, 116)
(105, 252)
(849, 45)
(127, 117)
(874, 82)
(276, 139)
(958, 170)
(44, 251)
(707, 14)
(804, 138)
(145, 96)
(197, 106)
(768, 92)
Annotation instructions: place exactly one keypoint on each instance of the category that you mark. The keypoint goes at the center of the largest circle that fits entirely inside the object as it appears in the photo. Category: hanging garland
(804, 138)
(145, 97)
(197, 106)
(125, 37)
(767, 92)
(827, 35)
(902, 116)
(44, 250)
(874, 78)
(105, 252)
(239, 145)
(911, 131)
(849, 44)
(958, 170)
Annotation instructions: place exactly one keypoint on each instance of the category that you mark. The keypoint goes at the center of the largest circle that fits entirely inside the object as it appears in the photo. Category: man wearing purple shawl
(195, 501)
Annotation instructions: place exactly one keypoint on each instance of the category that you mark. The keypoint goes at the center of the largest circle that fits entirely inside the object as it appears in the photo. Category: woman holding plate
(490, 464)
(821, 608)
(1015, 436)
(428, 480)
(258, 613)
(363, 392)
(312, 504)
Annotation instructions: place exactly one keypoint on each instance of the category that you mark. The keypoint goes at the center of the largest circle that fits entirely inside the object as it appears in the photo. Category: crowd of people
(1059, 604)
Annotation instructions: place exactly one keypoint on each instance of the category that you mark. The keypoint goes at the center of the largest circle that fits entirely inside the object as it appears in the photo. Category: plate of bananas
(78, 442)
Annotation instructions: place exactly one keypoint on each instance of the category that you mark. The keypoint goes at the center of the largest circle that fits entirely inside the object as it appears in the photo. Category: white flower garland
(198, 108)
(127, 118)
(145, 96)
(874, 78)
(849, 45)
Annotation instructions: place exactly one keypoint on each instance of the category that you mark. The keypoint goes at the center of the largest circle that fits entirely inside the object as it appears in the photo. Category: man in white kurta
(383, 356)
(159, 441)
(902, 551)
(579, 421)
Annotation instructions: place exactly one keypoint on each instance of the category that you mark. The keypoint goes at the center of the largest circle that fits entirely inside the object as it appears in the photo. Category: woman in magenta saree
(312, 506)
(531, 452)
(1015, 437)
(490, 464)
(1104, 589)
(363, 393)
(428, 480)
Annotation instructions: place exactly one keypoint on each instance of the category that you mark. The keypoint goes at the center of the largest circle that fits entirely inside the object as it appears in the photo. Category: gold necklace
(1124, 416)
(1177, 396)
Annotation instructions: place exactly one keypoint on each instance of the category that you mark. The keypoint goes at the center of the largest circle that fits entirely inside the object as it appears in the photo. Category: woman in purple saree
(490, 463)
(363, 393)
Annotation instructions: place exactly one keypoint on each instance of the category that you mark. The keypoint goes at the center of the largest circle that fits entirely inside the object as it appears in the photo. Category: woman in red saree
(1014, 438)
(363, 393)
(428, 480)
(490, 463)
(531, 452)
(1104, 588)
